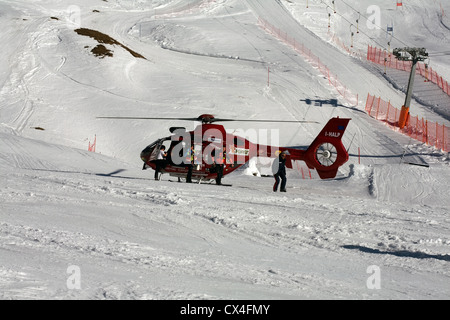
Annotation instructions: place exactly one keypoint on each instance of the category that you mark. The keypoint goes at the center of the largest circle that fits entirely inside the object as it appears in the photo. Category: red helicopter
(209, 152)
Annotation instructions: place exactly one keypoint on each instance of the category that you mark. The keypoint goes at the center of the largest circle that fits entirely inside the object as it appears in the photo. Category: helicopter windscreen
(150, 153)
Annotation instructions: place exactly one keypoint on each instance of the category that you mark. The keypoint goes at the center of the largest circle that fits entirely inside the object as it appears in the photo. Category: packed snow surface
(76, 224)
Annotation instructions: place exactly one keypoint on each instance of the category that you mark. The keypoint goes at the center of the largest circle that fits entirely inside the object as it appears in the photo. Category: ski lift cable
(360, 31)
(433, 54)
(379, 27)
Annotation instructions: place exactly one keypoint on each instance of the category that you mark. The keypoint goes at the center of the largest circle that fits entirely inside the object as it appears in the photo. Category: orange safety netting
(91, 147)
(425, 131)
(343, 90)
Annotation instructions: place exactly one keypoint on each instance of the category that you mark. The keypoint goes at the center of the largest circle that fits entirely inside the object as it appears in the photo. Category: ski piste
(68, 221)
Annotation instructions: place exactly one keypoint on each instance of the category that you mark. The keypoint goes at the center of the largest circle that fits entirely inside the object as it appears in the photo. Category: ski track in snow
(297, 223)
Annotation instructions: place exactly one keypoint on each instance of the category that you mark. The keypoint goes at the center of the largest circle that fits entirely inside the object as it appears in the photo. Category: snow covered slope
(81, 225)
(135, 238)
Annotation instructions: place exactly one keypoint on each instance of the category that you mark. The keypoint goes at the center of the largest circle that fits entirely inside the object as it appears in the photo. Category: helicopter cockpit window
(156, 146)
(146, 154)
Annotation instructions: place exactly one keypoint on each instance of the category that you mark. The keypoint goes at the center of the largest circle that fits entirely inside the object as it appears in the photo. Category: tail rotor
(327, 153)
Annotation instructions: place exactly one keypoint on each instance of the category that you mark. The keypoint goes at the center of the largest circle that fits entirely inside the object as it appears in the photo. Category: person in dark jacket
(279, 172)
(221, 165)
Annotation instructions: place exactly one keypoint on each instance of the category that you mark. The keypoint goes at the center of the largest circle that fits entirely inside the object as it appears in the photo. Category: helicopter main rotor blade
(209, 120)
(262, 120)
(148, 118)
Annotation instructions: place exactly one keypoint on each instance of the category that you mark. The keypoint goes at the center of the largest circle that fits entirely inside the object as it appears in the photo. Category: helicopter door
(146, 154)
(157, 146)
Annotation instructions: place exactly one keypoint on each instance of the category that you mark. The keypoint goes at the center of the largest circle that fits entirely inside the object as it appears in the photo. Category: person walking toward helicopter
(279, 171)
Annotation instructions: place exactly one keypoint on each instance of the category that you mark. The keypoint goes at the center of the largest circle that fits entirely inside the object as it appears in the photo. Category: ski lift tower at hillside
(414, 55)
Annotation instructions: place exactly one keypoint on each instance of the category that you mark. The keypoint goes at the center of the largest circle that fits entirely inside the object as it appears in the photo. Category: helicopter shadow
(112, 174)
(332, 102)
(400, 253)
(387, 156)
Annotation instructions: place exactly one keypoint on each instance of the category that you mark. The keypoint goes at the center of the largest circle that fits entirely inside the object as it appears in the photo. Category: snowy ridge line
(422, 130)
(209, 55)
(186, 9)
(299, 47)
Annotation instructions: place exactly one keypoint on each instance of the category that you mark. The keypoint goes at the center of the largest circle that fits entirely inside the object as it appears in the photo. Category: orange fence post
(91, 147)
(421, 131)
(424, 131)
(387, 113)
(371, 105)
(446, 147)
(437, 134)
(378, 108)
(367, 101)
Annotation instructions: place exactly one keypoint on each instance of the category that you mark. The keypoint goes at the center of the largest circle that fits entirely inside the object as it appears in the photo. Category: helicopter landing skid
(212, 182)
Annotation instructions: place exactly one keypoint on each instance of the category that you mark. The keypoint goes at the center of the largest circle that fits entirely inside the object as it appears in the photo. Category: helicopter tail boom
(325, 154)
